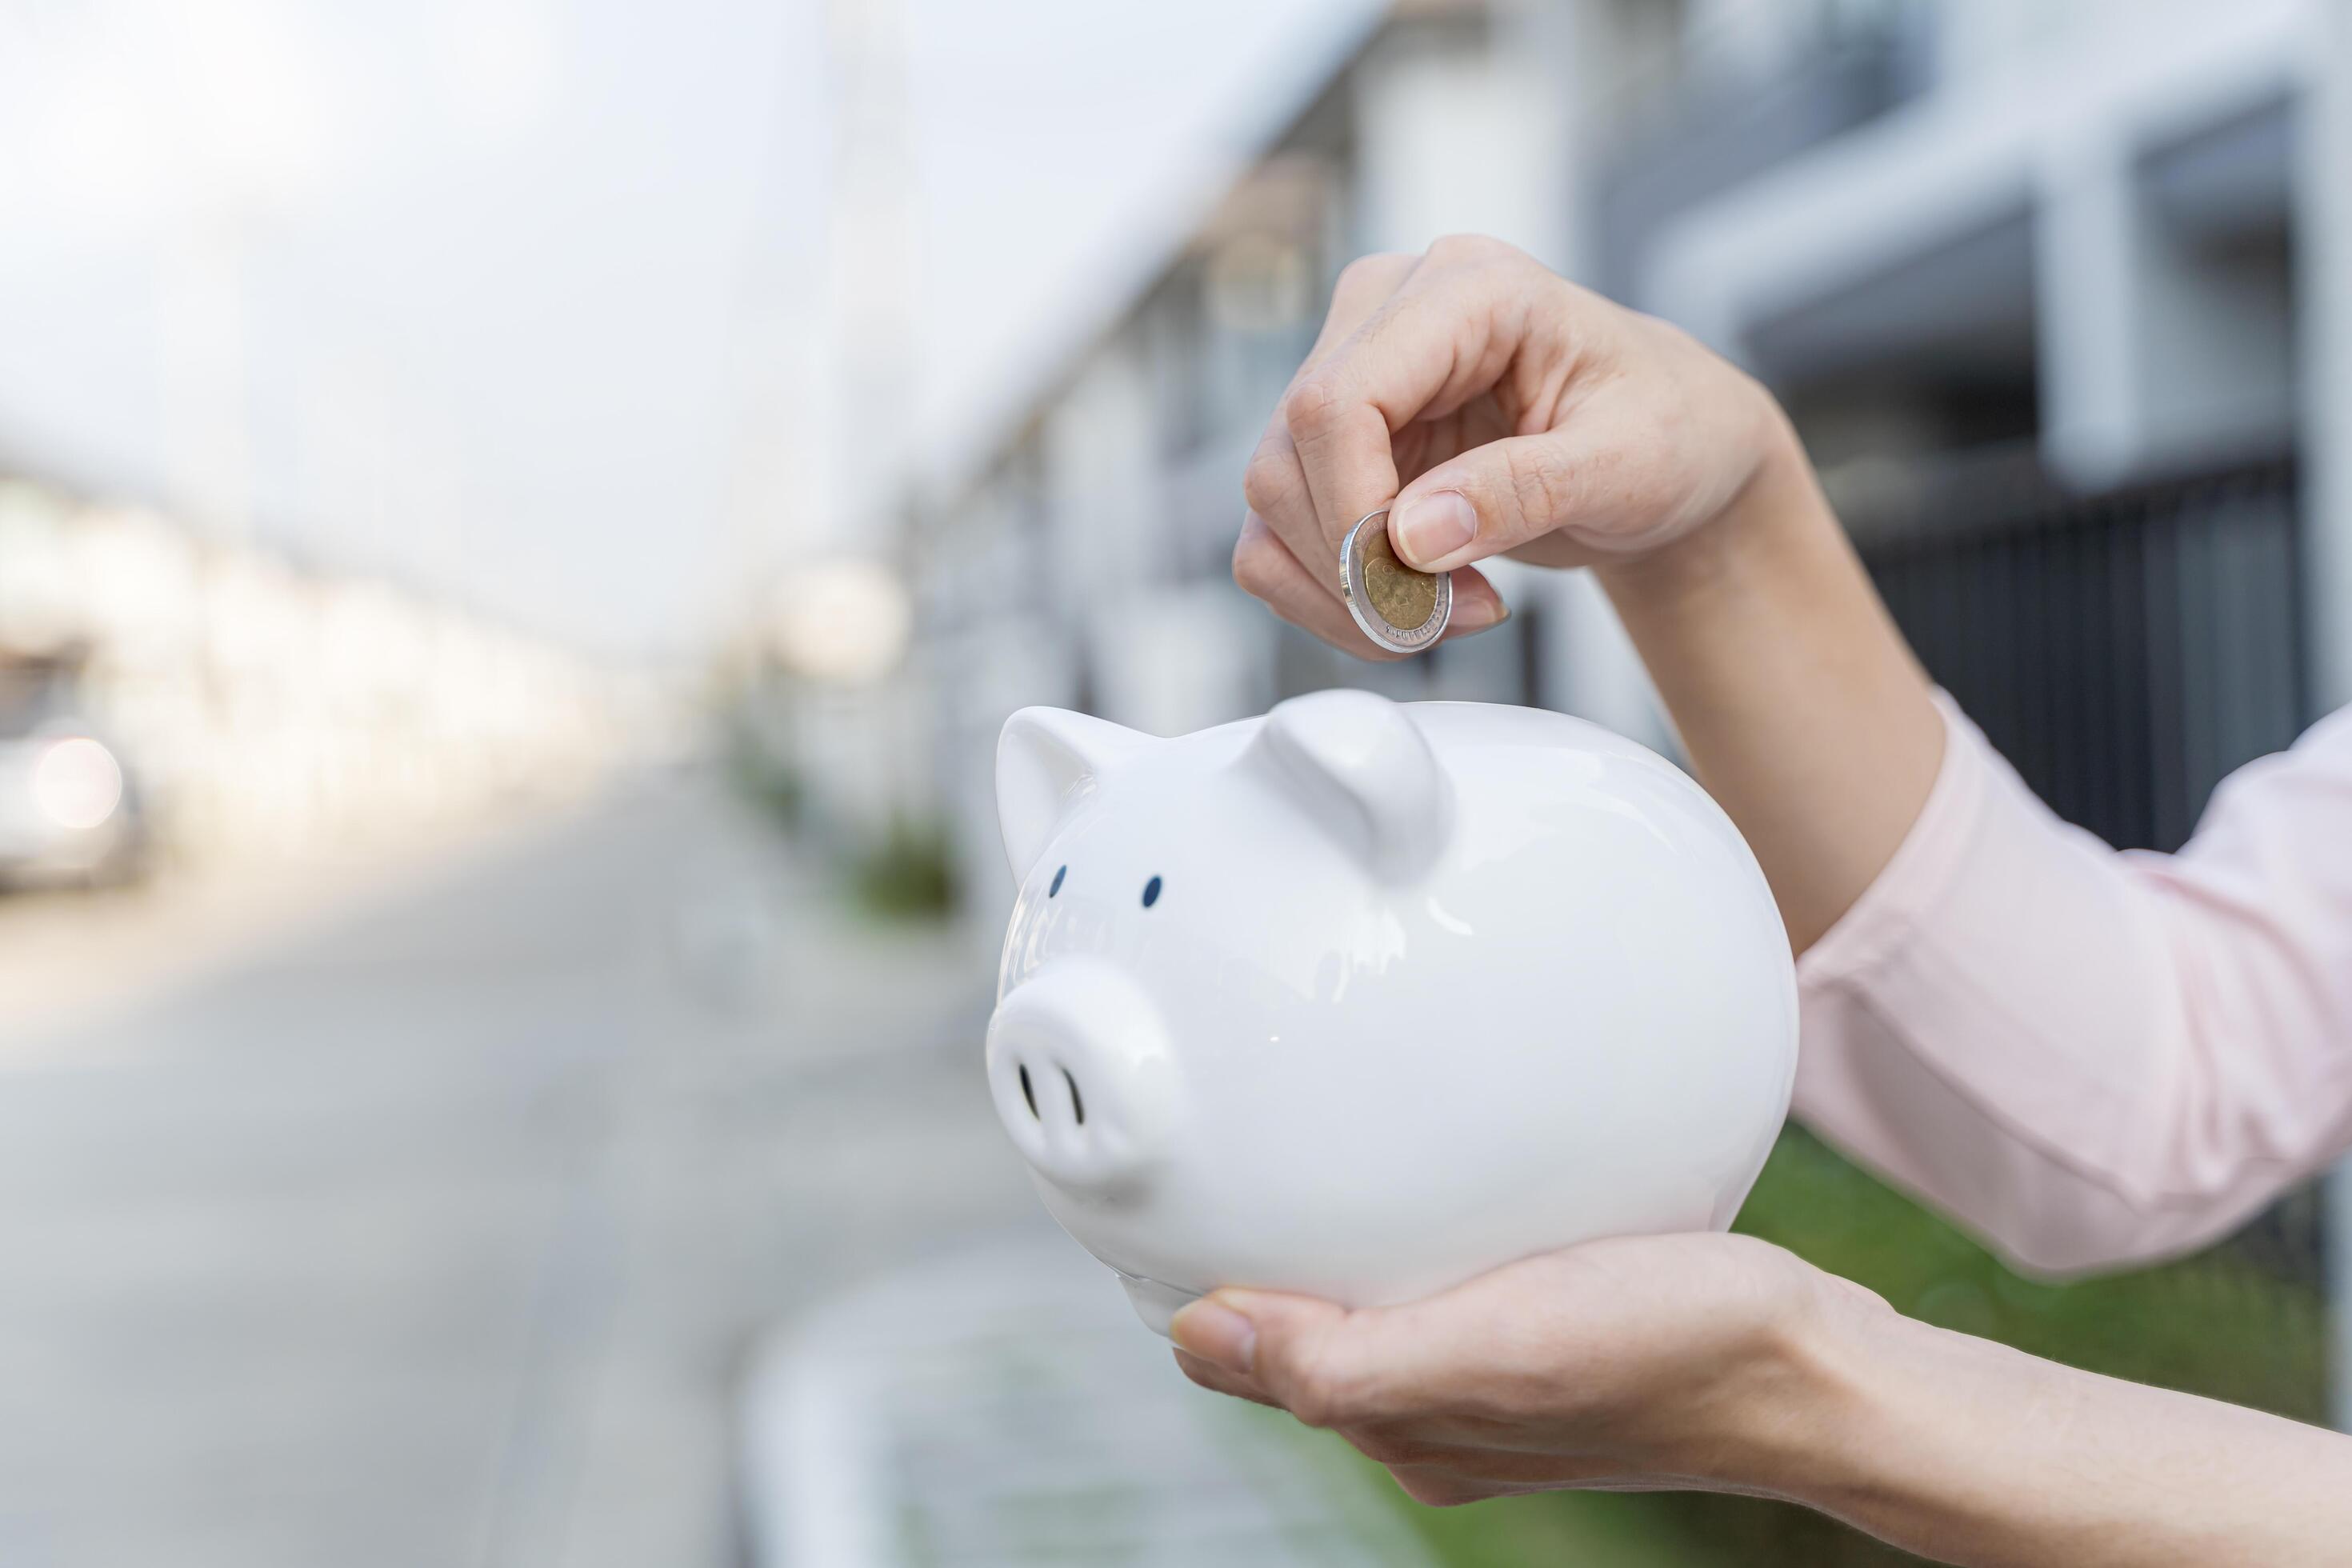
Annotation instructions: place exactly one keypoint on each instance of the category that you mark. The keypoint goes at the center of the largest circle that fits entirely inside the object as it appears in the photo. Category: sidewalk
(1001, 1407)
(432, 1231)
(439, 1228)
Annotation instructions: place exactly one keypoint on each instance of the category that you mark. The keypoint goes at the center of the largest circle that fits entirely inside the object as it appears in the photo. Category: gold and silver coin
(1399, 608)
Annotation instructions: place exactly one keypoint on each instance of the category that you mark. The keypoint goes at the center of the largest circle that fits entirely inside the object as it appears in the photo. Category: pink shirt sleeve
(2090, 1057)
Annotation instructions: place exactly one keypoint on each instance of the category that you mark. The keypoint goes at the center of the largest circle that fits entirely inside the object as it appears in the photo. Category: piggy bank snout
(1082, 1072)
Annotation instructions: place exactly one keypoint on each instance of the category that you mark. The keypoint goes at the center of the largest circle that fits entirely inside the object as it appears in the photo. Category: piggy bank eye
(1055, 885)
(1151, 892)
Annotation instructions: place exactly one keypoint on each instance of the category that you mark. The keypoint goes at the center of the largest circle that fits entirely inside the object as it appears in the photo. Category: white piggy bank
(1362, 999)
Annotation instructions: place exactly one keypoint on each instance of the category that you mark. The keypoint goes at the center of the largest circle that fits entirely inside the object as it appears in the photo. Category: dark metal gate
(2123, 650)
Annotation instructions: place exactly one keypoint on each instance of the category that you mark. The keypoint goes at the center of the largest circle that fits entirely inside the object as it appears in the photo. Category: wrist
(1923, 1436)
(1779, 505)
(1791, 1434)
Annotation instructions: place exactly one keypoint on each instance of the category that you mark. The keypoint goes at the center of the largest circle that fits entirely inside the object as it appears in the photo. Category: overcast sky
(457, 290)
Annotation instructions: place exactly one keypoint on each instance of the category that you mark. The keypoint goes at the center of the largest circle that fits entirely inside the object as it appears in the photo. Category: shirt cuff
(1906, 890)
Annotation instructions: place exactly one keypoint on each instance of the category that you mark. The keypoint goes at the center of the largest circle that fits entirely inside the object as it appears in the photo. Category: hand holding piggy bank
(1360, 1000)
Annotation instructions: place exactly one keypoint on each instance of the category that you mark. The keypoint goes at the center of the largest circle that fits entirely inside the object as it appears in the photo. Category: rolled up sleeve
(2087, 1056)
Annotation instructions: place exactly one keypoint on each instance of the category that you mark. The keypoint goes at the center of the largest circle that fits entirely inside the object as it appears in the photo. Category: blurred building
(2050, 245)
(2056, 293)
(258, 710)
(1084, 560)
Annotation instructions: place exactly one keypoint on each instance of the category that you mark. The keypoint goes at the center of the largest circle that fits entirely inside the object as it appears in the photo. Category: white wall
(1101, 452)
(979, 679)
(1447, 146)
(1169, 660)
(2152, 345)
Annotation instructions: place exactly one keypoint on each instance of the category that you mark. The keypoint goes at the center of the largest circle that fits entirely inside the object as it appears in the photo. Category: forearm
(1969, 1452)
(1802, 708)
(2088, 1058)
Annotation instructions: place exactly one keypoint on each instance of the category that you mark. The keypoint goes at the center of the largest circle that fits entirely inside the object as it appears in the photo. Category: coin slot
(1077, 1105)
(1028, 1093)
(1151, 892)
(1055, 885)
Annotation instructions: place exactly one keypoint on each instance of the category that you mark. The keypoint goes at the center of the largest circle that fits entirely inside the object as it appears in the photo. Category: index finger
(1431, 347)
(1342, 446)
(1274, 484)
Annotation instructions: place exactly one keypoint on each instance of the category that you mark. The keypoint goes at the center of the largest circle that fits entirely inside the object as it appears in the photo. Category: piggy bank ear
(1363, 770)
(1046, 759)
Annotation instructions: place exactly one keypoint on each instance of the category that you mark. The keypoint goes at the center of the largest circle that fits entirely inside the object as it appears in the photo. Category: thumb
(1490, 498)
(1326, 1365)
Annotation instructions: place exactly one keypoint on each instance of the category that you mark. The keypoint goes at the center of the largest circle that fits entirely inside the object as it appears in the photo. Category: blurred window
(1258, 283)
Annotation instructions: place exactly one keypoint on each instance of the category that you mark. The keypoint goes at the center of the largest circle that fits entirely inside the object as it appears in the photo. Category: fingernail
(1215, 1333)
(1479, 614)
(1429, 528)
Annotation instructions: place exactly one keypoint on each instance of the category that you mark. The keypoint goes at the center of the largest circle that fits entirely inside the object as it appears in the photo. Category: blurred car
(69, 809)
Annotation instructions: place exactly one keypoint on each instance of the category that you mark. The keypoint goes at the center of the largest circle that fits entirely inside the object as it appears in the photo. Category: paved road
(436, 1235)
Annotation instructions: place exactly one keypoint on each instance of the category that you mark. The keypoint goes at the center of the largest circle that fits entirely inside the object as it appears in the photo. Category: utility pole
(822, 331)
(822, 467)
(870, 242)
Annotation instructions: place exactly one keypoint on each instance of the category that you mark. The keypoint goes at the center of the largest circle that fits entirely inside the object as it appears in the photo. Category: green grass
(774, 790)
(2214, 1324)
(1586, 1530)
(908, 874)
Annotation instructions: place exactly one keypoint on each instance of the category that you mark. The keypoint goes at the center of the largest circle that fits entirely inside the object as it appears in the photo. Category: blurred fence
(2124, 650)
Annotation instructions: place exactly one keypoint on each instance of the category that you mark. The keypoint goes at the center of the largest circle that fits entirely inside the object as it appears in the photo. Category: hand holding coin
(1305, 505)
(1498, 410)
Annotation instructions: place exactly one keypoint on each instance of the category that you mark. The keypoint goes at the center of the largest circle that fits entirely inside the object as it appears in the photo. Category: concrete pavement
(431, 1236)
(438, 1230)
